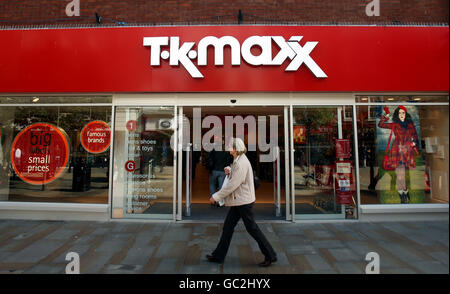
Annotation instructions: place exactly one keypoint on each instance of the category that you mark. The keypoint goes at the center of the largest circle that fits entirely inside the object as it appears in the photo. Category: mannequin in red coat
(401, 154)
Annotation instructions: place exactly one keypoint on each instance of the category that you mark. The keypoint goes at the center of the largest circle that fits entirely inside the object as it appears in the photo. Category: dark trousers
(234, 214)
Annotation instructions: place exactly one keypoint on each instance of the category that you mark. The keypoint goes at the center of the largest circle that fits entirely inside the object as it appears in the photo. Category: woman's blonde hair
(239, 146)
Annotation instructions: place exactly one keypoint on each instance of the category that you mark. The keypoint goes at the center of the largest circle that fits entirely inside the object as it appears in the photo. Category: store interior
(266, 194)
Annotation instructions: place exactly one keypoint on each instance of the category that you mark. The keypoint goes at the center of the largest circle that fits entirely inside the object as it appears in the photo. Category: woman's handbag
(387, 162)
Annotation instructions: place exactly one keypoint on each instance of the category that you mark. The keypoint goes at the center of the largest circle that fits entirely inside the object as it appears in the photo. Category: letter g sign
(130, 166)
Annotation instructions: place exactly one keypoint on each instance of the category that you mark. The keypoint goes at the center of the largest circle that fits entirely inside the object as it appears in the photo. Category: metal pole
(274, 178)
(278, 183)
(286, 162)
(339, 115)
(179, 151)
(291, 131)
(355, 141)
(188, 169)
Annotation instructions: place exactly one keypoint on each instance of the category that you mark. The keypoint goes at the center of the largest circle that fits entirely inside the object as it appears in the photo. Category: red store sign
(344, 182)
(39, 153)
(225, 59)
(343, 148)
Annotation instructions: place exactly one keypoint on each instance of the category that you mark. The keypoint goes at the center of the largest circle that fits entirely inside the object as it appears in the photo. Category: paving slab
(80, 249)
(34, 252)
(344, 254)
(318, 263)
(398, 270)
(349, 268)
(430, 267)
(328, 244)
(46, 268)
(440, 256)
(122, 269)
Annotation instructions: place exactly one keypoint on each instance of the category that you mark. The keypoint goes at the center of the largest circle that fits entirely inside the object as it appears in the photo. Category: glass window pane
(143, 162)
(403, 154)
(402, 99)
(39, 99)
(85, 176)
(324, 162)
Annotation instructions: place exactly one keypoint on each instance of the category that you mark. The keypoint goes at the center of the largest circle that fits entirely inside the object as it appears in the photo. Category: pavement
(114, 247)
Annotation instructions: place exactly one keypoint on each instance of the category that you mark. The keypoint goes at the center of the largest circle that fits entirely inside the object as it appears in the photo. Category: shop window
(403, 150)
(324, 174)
(42, 155)
(403, 99)
(39, 99)
(143, 184)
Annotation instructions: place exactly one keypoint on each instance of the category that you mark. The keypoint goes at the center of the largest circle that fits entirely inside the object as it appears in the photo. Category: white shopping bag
(225, 181)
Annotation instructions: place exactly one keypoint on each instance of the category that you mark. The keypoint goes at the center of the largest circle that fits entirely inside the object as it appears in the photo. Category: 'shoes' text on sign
(183, 54)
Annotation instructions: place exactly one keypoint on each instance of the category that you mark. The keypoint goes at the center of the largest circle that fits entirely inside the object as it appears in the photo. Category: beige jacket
(240, 189)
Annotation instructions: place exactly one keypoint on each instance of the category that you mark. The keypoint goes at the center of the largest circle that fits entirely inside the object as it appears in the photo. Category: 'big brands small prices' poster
(39, 153)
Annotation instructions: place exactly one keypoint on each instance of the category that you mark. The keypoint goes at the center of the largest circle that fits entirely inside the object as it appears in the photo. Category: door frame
(154, 217)
(180, 109)
(281, 99)
(179, 173)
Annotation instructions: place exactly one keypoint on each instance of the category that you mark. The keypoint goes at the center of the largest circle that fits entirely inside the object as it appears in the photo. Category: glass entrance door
(199, 177)
(323, 177)
(144, 168)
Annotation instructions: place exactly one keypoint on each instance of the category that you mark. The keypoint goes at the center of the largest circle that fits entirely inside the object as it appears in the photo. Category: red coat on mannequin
(404, 144)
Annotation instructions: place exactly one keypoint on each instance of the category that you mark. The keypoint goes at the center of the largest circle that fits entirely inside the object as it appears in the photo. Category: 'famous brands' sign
(96, 136)
(184, 54)
(39, 153)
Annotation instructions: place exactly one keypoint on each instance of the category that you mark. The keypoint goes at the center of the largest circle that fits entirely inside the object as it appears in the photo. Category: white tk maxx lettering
(184, 54)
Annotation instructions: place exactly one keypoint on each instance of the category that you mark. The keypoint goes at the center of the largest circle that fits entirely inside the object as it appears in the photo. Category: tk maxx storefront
(120, 123)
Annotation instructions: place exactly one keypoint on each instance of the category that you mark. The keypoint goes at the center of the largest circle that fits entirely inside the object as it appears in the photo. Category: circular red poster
(130, 166)
(96, 136)
(39, 153)
(131, 125)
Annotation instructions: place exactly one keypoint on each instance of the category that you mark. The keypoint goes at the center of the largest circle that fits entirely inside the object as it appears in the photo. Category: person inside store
(239, 195)
(216, 161)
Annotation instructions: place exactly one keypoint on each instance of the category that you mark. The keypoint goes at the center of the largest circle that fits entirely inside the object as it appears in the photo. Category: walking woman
(239, 195)
(401, 155)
